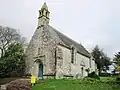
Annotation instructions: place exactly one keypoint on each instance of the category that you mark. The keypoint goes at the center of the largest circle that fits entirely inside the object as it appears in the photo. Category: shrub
(94, 75)
(19, 85)
(105, 74)
(118, 80)
(89, 80)
(27, 75)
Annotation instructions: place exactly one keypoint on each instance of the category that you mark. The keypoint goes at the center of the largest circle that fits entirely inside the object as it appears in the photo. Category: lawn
(79, 84)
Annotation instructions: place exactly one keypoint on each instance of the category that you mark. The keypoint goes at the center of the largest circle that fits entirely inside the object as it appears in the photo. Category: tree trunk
(2, 52)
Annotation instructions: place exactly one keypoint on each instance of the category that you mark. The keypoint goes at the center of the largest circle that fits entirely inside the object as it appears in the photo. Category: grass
(79, 84)
(107, 78)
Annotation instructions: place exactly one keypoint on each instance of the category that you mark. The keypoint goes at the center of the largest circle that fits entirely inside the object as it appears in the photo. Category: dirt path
(4, 82)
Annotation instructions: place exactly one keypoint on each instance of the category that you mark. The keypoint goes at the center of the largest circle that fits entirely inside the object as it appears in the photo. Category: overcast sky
(89, 22)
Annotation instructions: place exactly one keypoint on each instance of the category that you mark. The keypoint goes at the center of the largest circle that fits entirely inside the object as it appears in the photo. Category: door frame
(40, 70)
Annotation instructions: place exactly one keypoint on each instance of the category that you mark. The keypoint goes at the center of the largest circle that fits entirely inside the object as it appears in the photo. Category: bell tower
(43, 18)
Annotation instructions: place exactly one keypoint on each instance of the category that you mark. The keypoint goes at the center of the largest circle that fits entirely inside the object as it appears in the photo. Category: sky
(89, 22)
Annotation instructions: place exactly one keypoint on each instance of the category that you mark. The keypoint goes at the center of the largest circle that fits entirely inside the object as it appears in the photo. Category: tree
(117, 58)
(106, 62)
(96, 53)
(118, 69)
(8, 36)
(101, 59)
(13, 62)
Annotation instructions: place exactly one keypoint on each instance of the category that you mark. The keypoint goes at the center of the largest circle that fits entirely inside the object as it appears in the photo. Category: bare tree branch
(7, 36)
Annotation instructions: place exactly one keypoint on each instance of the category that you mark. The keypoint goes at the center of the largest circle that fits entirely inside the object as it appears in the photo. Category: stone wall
(32, 51)
(67, 68)
(80, 60)
(41, 44)
(57, 58)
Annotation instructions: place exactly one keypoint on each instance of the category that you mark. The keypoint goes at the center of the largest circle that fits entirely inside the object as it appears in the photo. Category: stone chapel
(51, 53)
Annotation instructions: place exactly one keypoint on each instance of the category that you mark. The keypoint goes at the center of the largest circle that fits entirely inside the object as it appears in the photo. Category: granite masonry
(51, 53)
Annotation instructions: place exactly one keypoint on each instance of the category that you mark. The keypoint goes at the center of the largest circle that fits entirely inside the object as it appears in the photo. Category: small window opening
(38, 51)
(46, 13)
(72, 55)
(40, 13)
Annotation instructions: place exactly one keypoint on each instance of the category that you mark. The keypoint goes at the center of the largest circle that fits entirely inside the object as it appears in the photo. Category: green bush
(117, 78)
(89, 80)
(12, 64)
(93, 75)
(19, 85)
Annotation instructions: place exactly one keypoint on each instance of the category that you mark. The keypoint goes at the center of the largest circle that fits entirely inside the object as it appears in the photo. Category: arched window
(72, 55)
(82, 64)
(40, 13)
(46, 13)
(82, 71)
(38, 51)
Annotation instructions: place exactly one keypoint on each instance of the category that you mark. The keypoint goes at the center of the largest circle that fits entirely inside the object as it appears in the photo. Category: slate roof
(70, 42)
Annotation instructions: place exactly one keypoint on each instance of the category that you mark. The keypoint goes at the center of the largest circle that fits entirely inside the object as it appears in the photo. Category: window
(40, 13)
(38, 51)
(46, 13)
(72, 55)
(82, 71)
(82, 64)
